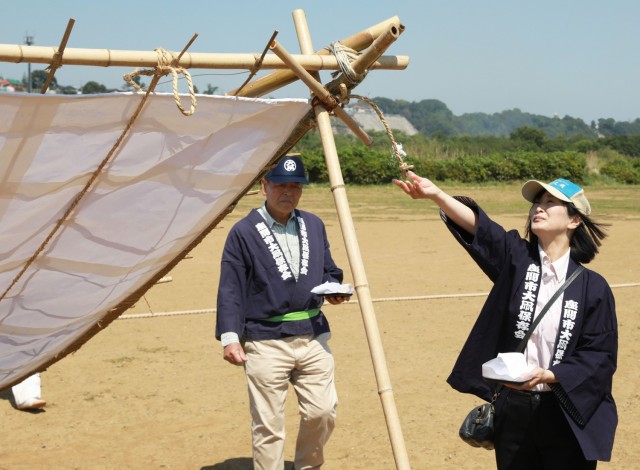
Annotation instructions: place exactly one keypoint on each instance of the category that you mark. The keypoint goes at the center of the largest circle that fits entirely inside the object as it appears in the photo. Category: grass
(389, 202)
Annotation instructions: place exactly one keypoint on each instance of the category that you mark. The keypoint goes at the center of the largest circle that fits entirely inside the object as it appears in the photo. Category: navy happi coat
(585, 355)
(256, 281)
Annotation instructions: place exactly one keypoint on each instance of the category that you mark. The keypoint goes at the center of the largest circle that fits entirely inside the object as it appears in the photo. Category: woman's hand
(538, 376)
(423, 188)
(417, 187)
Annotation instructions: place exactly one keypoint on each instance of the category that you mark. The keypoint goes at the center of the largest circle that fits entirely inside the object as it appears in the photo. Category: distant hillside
(433, 117)
(367, 118)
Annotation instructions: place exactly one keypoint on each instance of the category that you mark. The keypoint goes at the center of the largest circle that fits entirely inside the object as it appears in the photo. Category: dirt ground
(154, 392)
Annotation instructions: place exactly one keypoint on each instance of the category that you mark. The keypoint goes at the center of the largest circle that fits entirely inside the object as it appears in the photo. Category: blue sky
(576, 58)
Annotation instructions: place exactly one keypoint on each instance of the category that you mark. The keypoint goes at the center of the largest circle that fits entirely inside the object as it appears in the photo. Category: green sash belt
(295, 316)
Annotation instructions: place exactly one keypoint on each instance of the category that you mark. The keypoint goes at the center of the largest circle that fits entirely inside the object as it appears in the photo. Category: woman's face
(549, 217)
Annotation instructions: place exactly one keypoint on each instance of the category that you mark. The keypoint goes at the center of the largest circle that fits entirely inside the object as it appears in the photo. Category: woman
(564, 416)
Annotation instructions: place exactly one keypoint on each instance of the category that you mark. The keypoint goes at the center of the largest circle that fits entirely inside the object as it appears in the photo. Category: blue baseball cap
(288, 170)
(561, 188)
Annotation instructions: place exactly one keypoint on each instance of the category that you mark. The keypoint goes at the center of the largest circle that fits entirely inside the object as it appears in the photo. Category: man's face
(282, 198)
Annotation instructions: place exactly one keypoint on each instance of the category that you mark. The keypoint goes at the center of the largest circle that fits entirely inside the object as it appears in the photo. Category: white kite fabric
(170, 179)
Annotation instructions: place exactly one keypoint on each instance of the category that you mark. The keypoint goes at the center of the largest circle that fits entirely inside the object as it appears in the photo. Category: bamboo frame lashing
(56, 63)
(280, 78)
(336, 86)
(371, 54)
(309, 120)
(320, 92)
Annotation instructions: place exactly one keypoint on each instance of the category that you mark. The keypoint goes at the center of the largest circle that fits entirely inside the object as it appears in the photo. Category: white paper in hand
(507, 367)
(333, 288)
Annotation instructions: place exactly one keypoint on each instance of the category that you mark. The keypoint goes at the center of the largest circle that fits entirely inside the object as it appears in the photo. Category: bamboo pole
(184, 49)
(355, 259)
(362, 63)
(380, 45)
(304, 36)
(320, 92)
(16, 53)
(357, 42)
(362, 288)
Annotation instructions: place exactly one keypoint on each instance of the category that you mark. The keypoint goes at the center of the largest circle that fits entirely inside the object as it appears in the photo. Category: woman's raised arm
(422, 188)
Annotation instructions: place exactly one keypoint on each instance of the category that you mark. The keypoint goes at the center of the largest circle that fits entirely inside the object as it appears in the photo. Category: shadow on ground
(240, 463)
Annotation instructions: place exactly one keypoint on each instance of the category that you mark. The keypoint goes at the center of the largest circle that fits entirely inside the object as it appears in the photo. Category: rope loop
(167, 65)
(398, 151)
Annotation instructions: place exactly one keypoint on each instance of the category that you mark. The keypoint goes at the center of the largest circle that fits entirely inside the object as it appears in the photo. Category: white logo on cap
(289, 165)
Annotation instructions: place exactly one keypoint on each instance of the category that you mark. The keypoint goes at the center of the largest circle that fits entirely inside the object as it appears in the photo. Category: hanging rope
(160, 70)
(345, 56)
(398, 151)
(166, 65)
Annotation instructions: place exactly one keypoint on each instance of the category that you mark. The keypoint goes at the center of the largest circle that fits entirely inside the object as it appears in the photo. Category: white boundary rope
(384, 299)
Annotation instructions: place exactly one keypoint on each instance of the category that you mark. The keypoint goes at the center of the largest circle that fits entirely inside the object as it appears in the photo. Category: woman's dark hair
(586, 238)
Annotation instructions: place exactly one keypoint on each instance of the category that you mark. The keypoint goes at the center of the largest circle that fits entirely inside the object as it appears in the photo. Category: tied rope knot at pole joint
(167, 64)
(329, 103)
(344, 95)
(345, 56)
(56, 61)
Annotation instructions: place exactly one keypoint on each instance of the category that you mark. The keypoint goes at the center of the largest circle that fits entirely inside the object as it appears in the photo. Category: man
(270, 322)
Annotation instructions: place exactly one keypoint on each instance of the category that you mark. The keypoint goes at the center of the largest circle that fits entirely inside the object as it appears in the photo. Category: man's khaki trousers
(307, 363)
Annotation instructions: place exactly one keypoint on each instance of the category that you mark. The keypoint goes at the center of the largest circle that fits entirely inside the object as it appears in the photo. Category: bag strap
(523, 342)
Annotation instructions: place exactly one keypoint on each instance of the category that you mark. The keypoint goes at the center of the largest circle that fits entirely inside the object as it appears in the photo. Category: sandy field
(152, 392)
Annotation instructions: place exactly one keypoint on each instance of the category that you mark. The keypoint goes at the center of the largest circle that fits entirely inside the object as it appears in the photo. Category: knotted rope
(167, 65)
(398, 151)
(345, 55)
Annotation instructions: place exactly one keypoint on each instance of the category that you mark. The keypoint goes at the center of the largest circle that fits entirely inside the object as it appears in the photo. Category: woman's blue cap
(561, 188)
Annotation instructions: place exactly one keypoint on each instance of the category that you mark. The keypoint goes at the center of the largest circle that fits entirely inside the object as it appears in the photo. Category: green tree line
(525, 154)
(39, 77)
